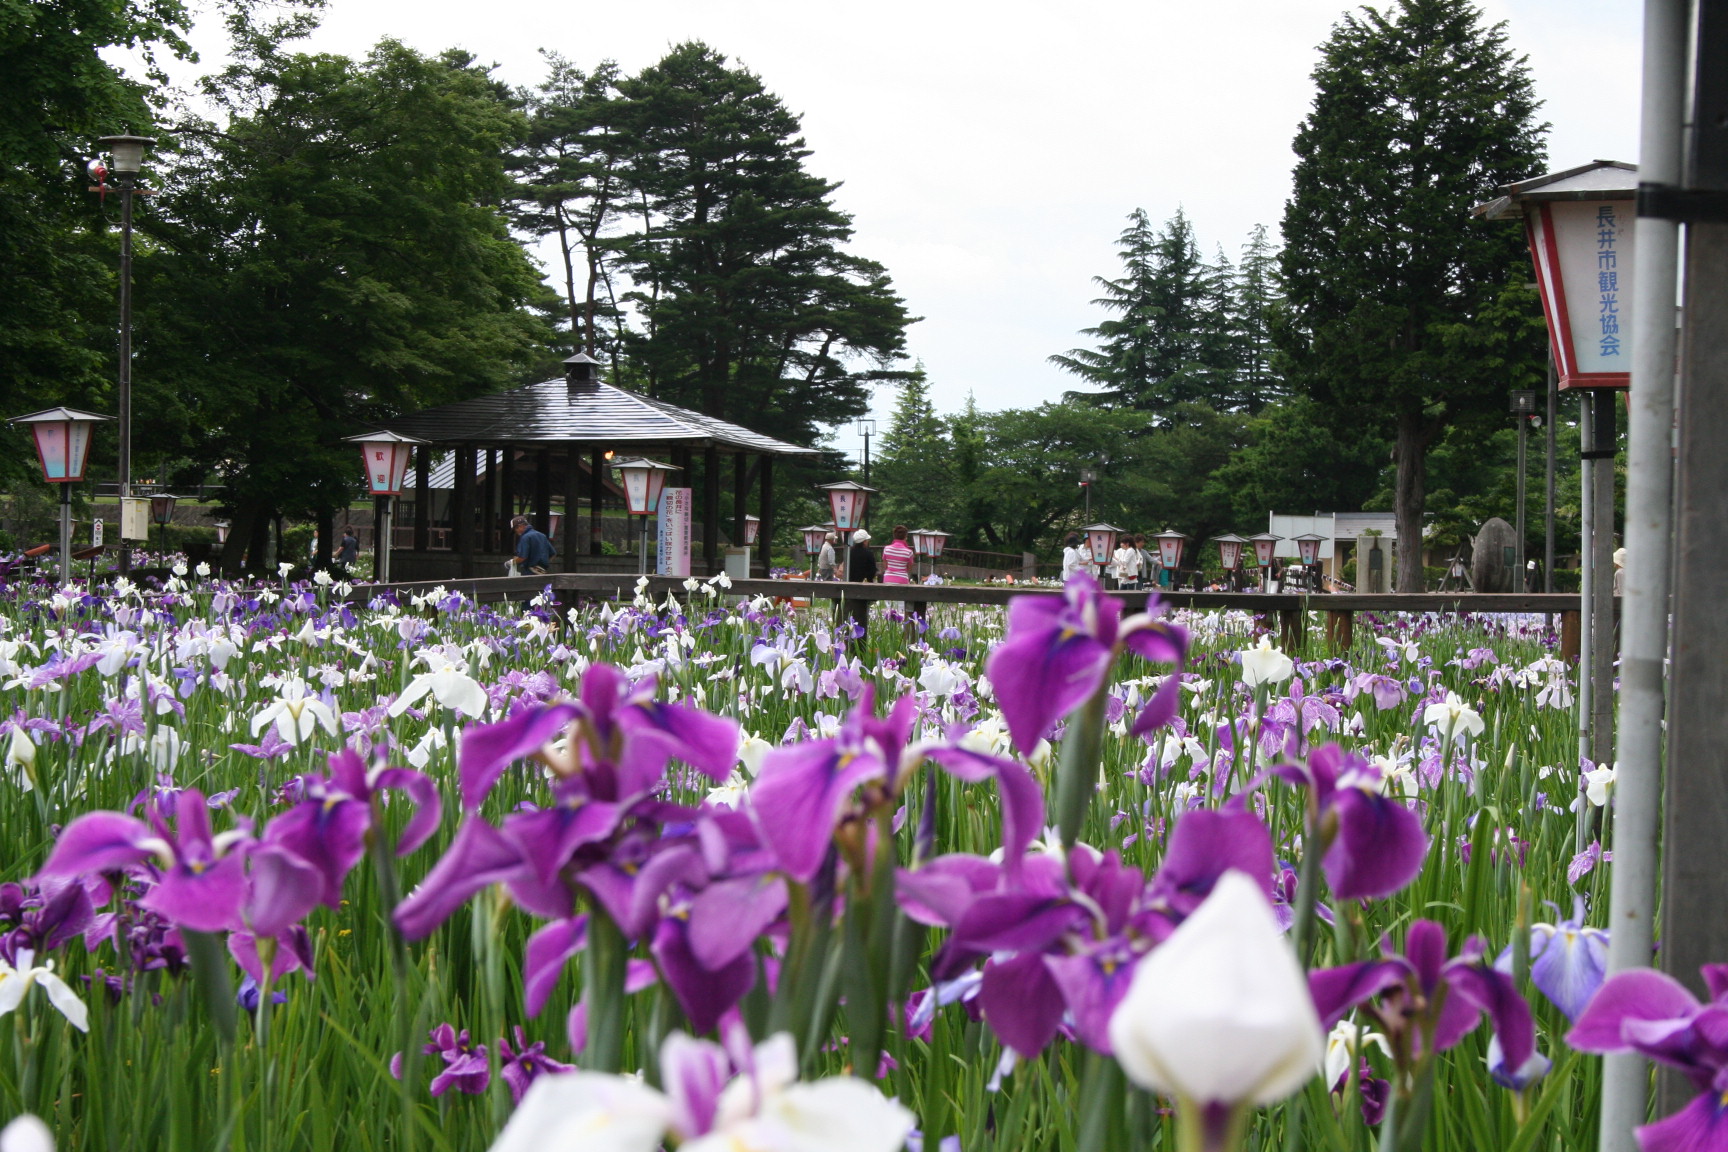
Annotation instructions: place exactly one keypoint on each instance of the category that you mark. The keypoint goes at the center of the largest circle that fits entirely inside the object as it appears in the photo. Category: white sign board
(134, 518)
(1584, 260)
(677, 506)
(96, 534)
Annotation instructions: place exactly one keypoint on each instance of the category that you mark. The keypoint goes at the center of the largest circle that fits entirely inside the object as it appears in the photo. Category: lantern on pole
(642, 480)
(1170, 544)
(1308, 544)
(162, 512)
(1580, 226)
(385, 457)
(1230, 550)
(814, 534)
(1265, 548)
(62, 437)
(1101, 542)
(849, 501)
(752, 528)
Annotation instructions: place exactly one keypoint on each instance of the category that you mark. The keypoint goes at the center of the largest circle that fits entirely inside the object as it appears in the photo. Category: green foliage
(1400, 302)
(1298, 454)
(916, 470)
(751, 309)
(332, 253)
(1181, 331)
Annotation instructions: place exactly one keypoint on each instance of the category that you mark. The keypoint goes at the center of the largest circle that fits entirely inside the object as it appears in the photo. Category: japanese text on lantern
(1608, 279)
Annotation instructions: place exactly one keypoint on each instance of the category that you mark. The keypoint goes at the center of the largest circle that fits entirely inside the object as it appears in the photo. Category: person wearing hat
(1619, 571)
(825, 558)
(860, 568)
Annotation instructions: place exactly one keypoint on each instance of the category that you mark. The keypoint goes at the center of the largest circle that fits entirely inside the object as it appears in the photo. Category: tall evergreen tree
(915, 469)
(751, 307)
(1123, 367)
(1257, 298)
(1401, 303)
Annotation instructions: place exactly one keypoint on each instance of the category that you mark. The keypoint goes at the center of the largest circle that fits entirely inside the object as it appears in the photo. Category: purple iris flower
(526, 1062)
(1373, 844)
(271, 747)
(1653, 1014)
(329, 825)
(200, 876)
(1059, 650)
(1403, 991)
(465, 1067)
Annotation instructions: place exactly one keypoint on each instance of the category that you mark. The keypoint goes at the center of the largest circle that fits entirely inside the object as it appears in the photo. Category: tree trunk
(1411, 459)
(233, 555)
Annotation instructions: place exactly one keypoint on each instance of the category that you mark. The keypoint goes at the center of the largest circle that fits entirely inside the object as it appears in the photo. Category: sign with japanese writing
(1584, 259)
(676, 509)
(96, 534)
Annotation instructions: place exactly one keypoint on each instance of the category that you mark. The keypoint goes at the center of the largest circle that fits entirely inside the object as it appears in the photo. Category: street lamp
(849, 501)
(1170, 544)
(126, 155)
(62, 438)
(162, 512)
(1308, 545)
(866, 429)
(814, 535)
(643, 481)
(1101, 542)
(1230, 550)
(1265, 548)
(1087, 477)
(385, 458)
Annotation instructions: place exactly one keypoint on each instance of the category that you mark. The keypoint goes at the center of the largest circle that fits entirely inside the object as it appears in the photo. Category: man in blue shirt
(533, 550)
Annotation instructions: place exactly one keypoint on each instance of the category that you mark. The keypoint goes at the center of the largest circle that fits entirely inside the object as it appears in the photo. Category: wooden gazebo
(514, 449)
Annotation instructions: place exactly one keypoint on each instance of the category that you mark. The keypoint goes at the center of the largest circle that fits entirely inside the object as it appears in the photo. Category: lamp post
(162, 512)
(1230, 554)
(934, 541)
(849, 501)
(1087, 477)
(643, 481)
(1524, 411)
(814, 534)
(1170, 544)
(752, 529)
(126, 159)
(62, 438)
(866, 429)
(385, 458)
(1308, 545)
(1101, 542)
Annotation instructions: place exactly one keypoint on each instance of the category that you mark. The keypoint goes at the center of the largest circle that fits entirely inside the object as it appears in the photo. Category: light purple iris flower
(1374, 844)
(1653, 1014)
(1059, 650)
(1402, 992)
(1568, 961)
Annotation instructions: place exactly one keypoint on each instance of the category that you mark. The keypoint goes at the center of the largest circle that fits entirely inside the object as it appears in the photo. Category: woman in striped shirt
(898, 558)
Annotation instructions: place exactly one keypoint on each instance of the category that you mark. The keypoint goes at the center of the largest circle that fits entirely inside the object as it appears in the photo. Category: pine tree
(1257, 298)
(915, 469)
(1400, 302)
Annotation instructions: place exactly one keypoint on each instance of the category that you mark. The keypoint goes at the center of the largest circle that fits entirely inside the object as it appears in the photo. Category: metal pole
(866, 476)
(126, 182)
(642, 550)
(1695, 810)
(1547, 513)
(381, 543)
(1602, 648)
(1586, 575)
(1523, 434)
(65, 533)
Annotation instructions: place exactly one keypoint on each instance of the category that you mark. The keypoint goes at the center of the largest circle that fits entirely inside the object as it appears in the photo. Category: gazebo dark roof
(559, 411)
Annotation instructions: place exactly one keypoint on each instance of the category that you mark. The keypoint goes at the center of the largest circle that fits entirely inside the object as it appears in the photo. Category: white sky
(990, 153)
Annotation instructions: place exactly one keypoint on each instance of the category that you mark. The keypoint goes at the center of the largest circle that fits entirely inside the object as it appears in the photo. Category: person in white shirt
(1074, 558)
(1126, 562)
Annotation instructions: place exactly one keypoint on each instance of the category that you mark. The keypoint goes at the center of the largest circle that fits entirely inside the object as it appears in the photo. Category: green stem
(1077, 772)
(603, 965)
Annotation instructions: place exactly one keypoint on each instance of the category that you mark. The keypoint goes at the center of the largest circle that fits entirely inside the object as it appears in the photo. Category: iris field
(289, 868)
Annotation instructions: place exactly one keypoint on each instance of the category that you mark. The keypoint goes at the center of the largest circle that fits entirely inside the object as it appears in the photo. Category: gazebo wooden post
(462, 510)
(572, 503)
(506, 491)
(596, 501)
(740, 485)
(422, 498)
(765, 531)
(711, 509)
(489, 505)
(543, 491)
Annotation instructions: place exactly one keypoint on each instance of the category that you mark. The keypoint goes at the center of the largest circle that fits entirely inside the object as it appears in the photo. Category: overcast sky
(990, 153)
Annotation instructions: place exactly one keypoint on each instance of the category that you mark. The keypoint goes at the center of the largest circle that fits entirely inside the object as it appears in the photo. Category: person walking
(825, 558)
(898, 558)
(347, 552)
(533, 549)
